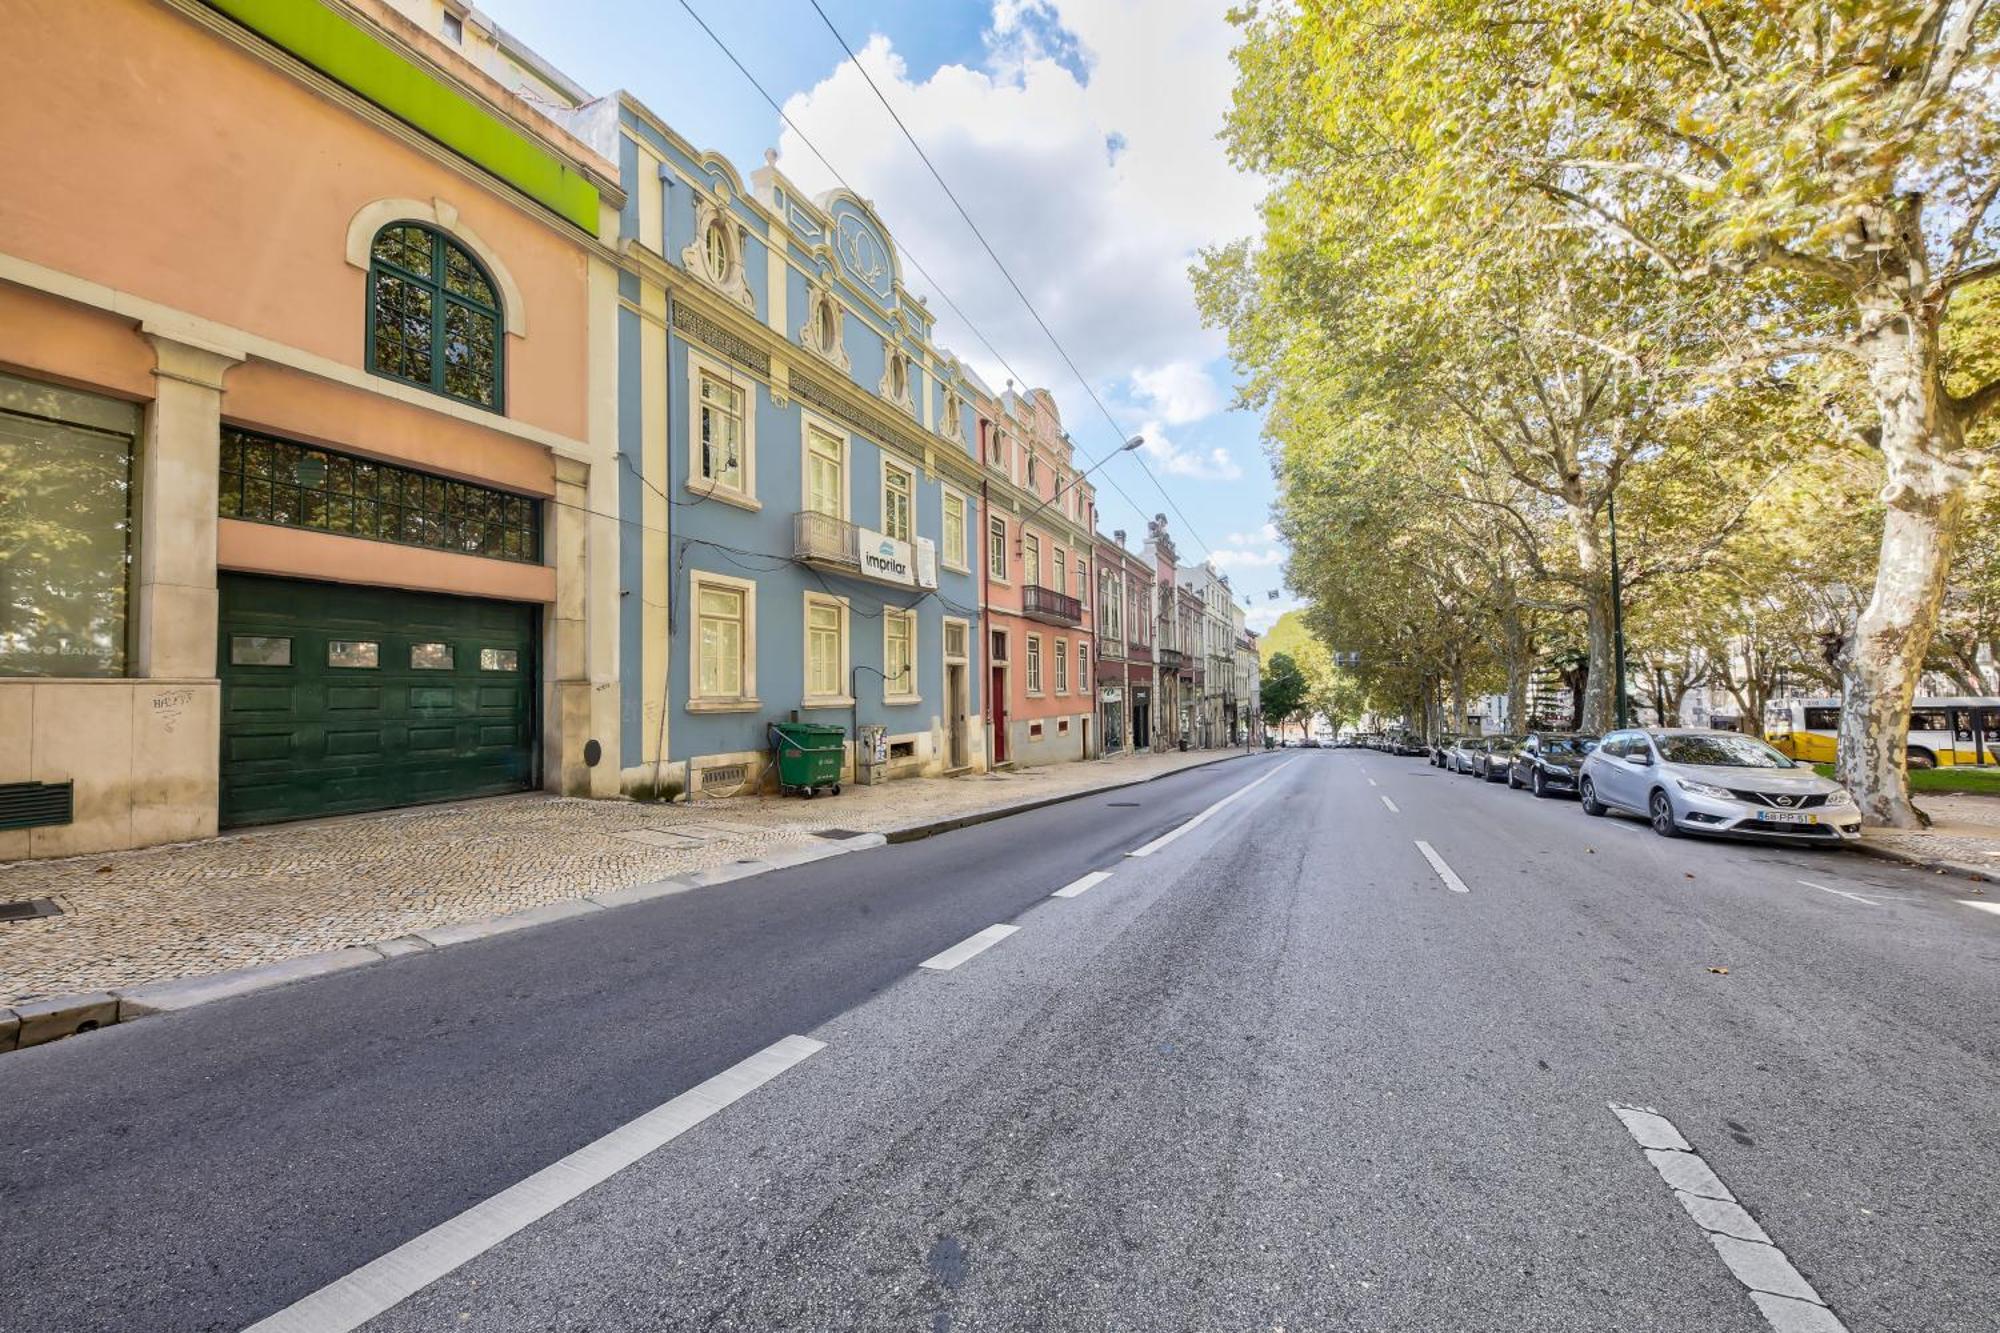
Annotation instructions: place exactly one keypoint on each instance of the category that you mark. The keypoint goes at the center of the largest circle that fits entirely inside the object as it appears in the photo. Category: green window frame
(434, 316)
(263, 479)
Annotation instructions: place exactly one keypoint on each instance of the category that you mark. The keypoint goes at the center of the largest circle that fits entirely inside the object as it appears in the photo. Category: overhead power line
(937, 286)
(1000, 264)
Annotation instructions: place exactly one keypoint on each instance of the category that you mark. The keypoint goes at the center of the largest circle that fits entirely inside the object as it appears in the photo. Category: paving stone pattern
(1965, 832)
(267, 895)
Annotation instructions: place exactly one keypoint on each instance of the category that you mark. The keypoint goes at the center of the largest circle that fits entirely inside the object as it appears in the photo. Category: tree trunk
(1925, 499)
(1457, 693)
(1594, 568)
(1515, 644)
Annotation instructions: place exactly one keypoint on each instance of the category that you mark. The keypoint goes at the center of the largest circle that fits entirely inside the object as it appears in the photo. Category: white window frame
(1082, 581)
(810, 422)
(944, 639)
(909, 474)
(1031, 570)
(842, 699)
(1082, 666)
(1034, 665)
(945, 552)
(744, 496)
(906, 691)
(997, 575)
(1059, 562)
(745, 700)
(1062, 665)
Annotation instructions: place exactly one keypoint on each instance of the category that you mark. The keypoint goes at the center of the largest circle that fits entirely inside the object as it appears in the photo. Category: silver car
(1689, 780)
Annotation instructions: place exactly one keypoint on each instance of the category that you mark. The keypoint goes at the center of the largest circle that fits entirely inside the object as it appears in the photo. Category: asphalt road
(1276, 1074)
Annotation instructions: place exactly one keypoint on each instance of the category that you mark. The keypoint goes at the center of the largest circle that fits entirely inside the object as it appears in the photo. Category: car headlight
(1706, 789)
(1839, 796)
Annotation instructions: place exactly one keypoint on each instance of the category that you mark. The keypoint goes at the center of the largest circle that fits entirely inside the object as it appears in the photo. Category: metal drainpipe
(986, 598)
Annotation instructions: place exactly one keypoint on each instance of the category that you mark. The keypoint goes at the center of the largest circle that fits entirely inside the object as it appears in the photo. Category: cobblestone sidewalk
(268, 895)
(1965, 836)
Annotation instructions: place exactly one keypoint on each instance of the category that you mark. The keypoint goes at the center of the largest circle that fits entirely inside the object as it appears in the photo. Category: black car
(1546, 762)
(1494, 757)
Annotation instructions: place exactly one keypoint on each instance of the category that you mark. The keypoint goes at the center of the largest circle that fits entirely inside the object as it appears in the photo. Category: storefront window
(65, 530)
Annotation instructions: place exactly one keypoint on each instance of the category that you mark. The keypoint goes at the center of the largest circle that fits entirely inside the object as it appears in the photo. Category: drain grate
(1131, 804)
(838, 833)
(29, 909)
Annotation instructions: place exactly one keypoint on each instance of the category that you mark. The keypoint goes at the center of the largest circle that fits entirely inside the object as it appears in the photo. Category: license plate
(1785, 817)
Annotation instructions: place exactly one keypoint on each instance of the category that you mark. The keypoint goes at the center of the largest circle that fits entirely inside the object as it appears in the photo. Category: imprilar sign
(885, 558)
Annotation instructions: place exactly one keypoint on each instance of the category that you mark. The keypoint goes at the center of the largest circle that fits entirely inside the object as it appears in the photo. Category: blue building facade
(799, 489)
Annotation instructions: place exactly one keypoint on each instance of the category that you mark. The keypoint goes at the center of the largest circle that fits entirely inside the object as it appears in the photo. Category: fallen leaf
(1591, 850)
(104, 870)
(1720, 971)
(1690, 875)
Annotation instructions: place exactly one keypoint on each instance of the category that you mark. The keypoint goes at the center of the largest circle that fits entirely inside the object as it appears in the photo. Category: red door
(999, 697)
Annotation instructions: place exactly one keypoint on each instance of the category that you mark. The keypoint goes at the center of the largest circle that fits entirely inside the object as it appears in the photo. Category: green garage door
(339, 698)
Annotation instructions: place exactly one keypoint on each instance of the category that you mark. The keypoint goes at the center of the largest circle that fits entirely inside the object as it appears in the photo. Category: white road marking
(1207, 814)
(349, 1302)
(1077, 886)
(1984, 907)
(1781, 1293)
(968, 948)
(1373, 783)
(1394, 809)
(1843, 893)
(1445, 872)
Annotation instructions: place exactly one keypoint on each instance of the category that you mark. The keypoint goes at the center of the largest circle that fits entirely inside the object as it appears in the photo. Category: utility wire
(915, 263)
(1001, 265)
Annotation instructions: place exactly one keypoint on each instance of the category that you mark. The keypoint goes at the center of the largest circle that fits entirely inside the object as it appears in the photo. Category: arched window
(717, 251)
(434, 318)
(823, 326)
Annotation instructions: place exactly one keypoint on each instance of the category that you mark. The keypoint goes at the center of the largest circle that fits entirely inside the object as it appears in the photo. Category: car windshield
(1570, 745)
(1721, 752)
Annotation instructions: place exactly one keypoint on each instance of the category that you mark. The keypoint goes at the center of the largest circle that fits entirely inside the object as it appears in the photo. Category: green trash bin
(809, 756)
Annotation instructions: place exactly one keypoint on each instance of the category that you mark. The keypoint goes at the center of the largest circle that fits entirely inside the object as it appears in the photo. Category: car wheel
(1663, 815)
(1587, 793)
(1513, 783)
(1535, 785)
(1920, 758)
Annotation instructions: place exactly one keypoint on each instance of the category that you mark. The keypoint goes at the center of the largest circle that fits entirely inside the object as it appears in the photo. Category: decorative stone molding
(820, 298)
(952, 424)
(905, 397)
(442, 214)
(712, 214)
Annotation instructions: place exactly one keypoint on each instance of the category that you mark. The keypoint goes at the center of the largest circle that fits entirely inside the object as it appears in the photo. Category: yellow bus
(1943, 732)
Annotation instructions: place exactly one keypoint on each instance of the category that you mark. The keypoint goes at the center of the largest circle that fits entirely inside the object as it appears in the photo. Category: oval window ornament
(592, 753)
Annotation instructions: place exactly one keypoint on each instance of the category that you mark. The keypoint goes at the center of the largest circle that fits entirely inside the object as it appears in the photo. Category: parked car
(1496, 756)
(1547, 762)
(1693, 780)
(1459, 759)
(1409, 745)
(1441, 750)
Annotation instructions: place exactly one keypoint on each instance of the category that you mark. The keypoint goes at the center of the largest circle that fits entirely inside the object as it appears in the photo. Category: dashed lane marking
(1394, 809)
(1445, 872)
(349, 1302)
(1077, 886)
(1373, 783)
(968, 948)
(1983, 907)
(1202, 818)
(1840, 893)
(1781, 1293)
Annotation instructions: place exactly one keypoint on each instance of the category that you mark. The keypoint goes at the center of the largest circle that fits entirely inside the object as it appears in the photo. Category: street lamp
(1124, 448)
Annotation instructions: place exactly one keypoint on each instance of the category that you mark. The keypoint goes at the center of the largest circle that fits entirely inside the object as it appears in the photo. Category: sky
(1082, 142)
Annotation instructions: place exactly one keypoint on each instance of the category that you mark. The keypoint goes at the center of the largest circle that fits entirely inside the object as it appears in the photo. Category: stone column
(174, 511)
(581, 690)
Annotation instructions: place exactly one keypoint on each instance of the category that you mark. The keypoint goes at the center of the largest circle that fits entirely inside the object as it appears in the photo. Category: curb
(38, 1022)
(920, 831)
(1921, 862)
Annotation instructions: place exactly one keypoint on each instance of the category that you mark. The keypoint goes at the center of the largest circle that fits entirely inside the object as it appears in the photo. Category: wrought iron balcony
(1171, 659)
(835, 544)
(1049, 606)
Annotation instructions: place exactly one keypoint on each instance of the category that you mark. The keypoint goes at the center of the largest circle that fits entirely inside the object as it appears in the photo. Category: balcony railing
(1049, 606)
(1171, 659)
(834, 543)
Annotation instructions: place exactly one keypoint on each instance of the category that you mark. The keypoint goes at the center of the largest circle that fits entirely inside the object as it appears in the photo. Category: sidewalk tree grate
(29, 909)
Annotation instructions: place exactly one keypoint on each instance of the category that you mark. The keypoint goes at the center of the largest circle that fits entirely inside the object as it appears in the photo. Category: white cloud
(1264, 614)
(1263, 536)
(1197, 464)
(1241, 559)
(1096, 190)
(1178, 392)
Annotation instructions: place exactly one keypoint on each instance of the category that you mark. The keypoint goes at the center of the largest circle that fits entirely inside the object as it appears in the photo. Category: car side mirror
(1640, 760)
